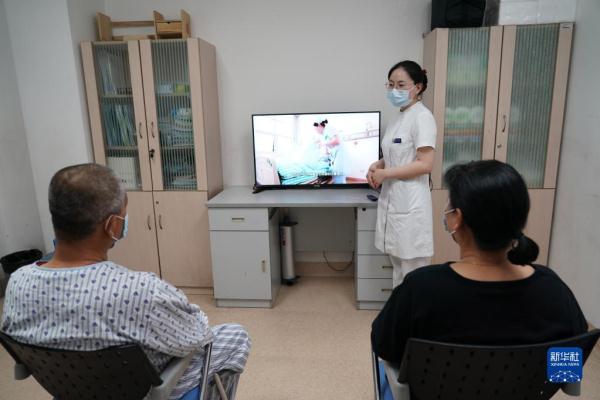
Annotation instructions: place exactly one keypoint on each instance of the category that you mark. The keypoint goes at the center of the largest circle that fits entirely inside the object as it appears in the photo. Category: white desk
(244, 233)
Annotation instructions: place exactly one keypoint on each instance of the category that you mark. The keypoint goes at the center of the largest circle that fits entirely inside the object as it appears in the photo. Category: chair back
(435, 370)
(120, 372)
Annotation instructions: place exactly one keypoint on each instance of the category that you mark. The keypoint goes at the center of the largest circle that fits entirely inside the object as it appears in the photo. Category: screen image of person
(80, 301)
(308, 149)
(494, 294)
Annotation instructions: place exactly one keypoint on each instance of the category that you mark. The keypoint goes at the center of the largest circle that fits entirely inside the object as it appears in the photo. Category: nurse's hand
(376, 165)
(373, 167)
(378, 177)
(370, 179)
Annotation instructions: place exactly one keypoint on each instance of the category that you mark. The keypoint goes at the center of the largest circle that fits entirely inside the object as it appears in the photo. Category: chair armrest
(400, 391)
(572, 389)
(21, 372)
(170, 376)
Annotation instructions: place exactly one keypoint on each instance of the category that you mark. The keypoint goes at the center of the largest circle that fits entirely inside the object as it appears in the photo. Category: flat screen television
(320, 150)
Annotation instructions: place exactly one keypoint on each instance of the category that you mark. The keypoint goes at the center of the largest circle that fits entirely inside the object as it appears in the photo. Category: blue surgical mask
(399, 98)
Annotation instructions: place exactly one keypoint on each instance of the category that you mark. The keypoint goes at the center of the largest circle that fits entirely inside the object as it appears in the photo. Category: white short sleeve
(426, 133)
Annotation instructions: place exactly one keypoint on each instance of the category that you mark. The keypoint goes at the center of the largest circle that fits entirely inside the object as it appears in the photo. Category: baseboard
(322, 269)
(197, 291)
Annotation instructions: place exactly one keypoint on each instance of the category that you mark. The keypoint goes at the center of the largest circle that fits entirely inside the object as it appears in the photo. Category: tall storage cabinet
(153, 107)
(499, 93)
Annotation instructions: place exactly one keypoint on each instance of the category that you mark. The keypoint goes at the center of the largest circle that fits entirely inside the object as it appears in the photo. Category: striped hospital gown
(104, 304)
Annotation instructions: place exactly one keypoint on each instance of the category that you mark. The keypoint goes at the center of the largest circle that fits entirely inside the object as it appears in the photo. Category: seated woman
(493, 295)
(81, 301)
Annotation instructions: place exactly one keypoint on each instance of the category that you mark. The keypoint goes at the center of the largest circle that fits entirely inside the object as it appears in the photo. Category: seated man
(81, 301)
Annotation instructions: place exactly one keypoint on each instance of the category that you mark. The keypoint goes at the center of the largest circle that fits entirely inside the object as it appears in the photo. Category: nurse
(404, 215)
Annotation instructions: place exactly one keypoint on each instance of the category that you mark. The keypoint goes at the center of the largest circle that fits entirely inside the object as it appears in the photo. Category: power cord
(335, 269)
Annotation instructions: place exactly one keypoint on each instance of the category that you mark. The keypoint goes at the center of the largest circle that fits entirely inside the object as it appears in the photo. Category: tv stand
(244, 235)
(257, 189)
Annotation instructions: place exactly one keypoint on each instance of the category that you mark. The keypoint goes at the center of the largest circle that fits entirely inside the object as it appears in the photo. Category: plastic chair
(120, 372)
(434, 370)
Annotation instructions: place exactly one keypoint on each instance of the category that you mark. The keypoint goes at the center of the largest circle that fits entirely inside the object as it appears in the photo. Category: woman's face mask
(445, 221)
(399, 97)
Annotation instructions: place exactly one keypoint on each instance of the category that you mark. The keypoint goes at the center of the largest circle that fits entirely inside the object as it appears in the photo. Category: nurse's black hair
(494, 201)
(414, 70)
(322, 123)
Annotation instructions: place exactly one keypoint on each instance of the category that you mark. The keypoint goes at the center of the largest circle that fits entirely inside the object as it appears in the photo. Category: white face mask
(125, 226)
(445, 221)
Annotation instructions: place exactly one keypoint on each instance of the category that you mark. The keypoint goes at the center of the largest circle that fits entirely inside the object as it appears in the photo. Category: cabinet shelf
(177, 147)
(173, 95)
(122, 148)
(116, 96)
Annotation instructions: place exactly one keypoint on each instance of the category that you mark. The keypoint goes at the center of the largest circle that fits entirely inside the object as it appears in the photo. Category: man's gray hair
(81, 197)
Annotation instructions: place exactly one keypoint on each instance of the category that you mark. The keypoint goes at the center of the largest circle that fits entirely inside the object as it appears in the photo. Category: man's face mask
(125, 226)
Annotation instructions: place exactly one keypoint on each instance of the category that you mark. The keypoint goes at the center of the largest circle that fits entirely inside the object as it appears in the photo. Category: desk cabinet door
(242, 268)
(138, 250)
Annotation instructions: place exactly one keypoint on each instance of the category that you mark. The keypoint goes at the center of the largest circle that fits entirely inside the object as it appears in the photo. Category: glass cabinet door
(174, 114)
(117, 114)
(535, 50)
(467, 74)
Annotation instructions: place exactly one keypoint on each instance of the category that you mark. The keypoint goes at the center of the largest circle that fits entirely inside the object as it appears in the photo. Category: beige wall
(575, 248)
(48, 74)
(19, 217)
(297, 56)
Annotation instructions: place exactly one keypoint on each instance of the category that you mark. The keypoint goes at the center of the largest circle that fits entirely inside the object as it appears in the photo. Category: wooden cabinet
(139, 249)
(183, 239)
(499, 93)
(154, 116)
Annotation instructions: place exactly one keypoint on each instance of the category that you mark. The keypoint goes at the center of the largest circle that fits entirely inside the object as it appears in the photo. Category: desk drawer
(373, 289)
(238, 219)
(365, 243)
(366, 219)
(374, 267)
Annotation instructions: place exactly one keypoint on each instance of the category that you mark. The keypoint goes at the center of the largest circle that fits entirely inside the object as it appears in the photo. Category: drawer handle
(238, 219)
(148, 222)
(160, 221)
(387, 267)
(263, 266)
(387, 290)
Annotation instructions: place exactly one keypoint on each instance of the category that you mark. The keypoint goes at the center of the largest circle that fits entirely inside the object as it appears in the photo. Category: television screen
(318, 150)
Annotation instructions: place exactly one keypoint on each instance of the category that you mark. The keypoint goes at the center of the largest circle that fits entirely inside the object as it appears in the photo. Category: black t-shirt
(436, 303)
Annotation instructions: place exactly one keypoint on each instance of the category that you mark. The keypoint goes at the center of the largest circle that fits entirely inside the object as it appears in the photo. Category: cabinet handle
(386, 290)
(499, 146)
(140, 130)
(504, 126)
(160, 221)
(152, 128)
(238, 219)
(152, 154)
(387, 267)
(263, 266)
(148, 222)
